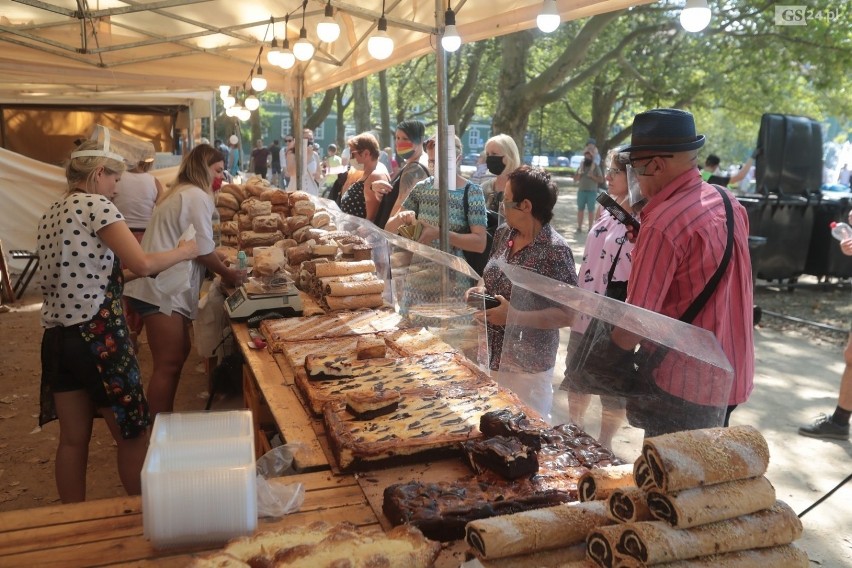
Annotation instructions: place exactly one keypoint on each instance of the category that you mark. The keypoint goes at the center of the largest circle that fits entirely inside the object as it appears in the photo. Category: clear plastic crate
(192, 426)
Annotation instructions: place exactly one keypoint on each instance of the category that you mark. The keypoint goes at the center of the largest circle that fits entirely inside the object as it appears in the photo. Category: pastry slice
(328, 367)
(369, 405)
(506, 456)
(371, 348)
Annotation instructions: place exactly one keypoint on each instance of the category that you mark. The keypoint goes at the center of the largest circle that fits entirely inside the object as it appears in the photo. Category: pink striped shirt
(681, 244)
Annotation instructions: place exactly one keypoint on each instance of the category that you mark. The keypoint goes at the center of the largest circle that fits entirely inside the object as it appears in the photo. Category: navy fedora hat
(664, 130)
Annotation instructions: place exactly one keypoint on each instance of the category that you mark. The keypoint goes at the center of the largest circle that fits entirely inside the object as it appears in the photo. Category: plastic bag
(278, 499)
(178, 278)
(211, 320)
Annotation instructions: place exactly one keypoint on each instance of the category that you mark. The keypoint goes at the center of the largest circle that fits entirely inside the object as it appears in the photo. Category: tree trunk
(318, 116)
(362, 106)
(341, 105)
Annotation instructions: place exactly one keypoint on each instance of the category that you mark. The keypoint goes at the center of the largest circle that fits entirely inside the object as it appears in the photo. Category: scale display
(254, 298)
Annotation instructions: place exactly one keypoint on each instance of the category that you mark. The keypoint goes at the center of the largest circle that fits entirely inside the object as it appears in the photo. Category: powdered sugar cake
(417, 341)
(341, 324)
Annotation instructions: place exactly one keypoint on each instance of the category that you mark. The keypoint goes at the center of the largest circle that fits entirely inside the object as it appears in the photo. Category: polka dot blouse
(74, 264)
(353, 200)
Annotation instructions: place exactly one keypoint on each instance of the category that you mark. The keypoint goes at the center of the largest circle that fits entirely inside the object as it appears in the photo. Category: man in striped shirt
(681, 244)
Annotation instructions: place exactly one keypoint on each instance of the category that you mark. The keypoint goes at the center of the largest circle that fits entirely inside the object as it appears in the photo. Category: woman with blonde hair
(88, 363)
(167, 316)
(358, 197)
(501, 159)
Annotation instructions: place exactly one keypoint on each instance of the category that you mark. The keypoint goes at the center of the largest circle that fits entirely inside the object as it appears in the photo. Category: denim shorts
(586, 199)
(142, 308)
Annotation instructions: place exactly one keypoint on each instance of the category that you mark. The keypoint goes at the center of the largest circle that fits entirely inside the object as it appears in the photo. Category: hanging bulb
(380, 45)
(548, 19)
(223, 91)
(328, 30)
(303, 49)
(274, 54)
(695, 16)
(244, 114)
(252, 102)
(231, 111)
(258, 82)
(287, 59)
(229, 101)
(451, 41)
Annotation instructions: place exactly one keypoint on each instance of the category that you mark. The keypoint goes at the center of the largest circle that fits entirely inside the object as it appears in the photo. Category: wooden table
(109, 531)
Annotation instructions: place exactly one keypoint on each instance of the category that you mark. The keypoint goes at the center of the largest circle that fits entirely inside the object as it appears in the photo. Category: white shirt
(135, 197)
(172, 217)
(74, 263)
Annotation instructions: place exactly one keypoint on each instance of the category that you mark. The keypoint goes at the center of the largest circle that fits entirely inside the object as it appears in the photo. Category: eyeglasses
(508, 205)
(625, 158)
(288, 140)
(613, 171)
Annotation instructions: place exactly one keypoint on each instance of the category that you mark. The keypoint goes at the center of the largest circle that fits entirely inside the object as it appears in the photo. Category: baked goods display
(322, 545)
(279, 331)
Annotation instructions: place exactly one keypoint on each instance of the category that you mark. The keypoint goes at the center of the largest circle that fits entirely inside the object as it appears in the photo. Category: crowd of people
(690, 261)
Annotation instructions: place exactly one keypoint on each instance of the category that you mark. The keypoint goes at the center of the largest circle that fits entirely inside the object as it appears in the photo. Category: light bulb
(286, 60)
(695, 15)
(328, 30)
(231, 111)
(450, 41)
(548, 19)
(223, 90)
(252, 102)
(274, 54)
(258, 82)
(303, 49)
(229, 101)
(244, 114)
(380, 45)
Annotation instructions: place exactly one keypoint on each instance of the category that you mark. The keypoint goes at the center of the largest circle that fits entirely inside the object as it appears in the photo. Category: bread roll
(320, 219)
(354, 288)
(298, 254)
(302, 234)
(285, 244)
(255, 186)
(303, 208)
(254, 239)
(227, 200)
(243, 221)
(247, 203)
(227, 254)
(296, 196)
(354, 302)
(344, 268)
(236, 190)
(230, 228)
(265, 223)
(231, 240)
(283, 210)
(268, 260)
(297, 222)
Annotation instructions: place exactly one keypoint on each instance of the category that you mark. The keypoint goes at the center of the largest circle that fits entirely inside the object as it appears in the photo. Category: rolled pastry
(642, 474)
(702, 505)
(786, 556)
(569, 557)
(627, 505)
(355, 288)
(362, 277)
(600, 482)
(343, 268)
(693, 458)
(602, 542)
(655, 542)
(354, 302)
(531, 531)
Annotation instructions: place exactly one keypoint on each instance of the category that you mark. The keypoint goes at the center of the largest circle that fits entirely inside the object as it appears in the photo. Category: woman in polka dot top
(88, 363)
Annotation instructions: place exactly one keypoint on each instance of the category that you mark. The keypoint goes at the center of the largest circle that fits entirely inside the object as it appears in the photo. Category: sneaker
(823, 427)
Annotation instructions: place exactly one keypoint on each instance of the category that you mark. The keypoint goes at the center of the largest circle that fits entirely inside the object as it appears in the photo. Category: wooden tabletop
(109, 531)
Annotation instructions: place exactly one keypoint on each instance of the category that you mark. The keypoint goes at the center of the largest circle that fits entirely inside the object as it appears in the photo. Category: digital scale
(256, 297)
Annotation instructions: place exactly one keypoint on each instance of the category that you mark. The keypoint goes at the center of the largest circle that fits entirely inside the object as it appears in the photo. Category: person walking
(588, 178)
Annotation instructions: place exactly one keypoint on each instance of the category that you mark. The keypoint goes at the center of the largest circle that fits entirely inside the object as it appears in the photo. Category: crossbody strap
(710, 287)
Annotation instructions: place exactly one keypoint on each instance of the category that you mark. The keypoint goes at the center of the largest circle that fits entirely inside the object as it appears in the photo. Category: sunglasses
(613, 171)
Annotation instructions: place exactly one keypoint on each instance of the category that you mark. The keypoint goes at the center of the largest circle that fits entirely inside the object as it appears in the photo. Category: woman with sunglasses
(358, 197)
(606, 266)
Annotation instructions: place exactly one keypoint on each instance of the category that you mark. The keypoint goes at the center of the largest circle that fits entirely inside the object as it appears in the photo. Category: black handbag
(478, 260)
(599, 366)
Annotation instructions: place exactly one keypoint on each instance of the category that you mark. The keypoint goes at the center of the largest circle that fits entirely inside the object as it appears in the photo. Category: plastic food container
(199, 479)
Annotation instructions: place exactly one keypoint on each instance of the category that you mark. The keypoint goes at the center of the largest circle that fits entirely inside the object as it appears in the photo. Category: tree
(361, 106)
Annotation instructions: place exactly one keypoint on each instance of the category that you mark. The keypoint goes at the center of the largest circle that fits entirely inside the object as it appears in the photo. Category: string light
(303, 49)
(274, 54)
(548, 19)
(695, 15)
(328, 30)
(380, 44)
(450, 41)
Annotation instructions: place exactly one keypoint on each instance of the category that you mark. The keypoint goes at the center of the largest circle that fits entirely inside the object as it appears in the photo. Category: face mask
(634, 192)
(404, 150)
(587, 162)
(495, 164)
(356, 165)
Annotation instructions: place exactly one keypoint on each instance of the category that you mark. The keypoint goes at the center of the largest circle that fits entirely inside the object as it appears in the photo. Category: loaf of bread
(354, 302)
(268, 260)
(237, 191)
(286, 244)
(275, 196)
(230, 228)
(231, 240)
(228, 200)
(298, 254)
(302, 234)
(320, 219)
(225, 214)
(247, 203)
(283, 210)
(254, 239)
(296, 196)
(344, 268)
(256, 185)
(297, 222)
(265, 223)
(303, 207)
(258, 208)
(243, 221)
(227, 254)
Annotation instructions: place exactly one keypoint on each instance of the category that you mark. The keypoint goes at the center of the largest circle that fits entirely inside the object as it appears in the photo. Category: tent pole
(441, 165)
(298, 128)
